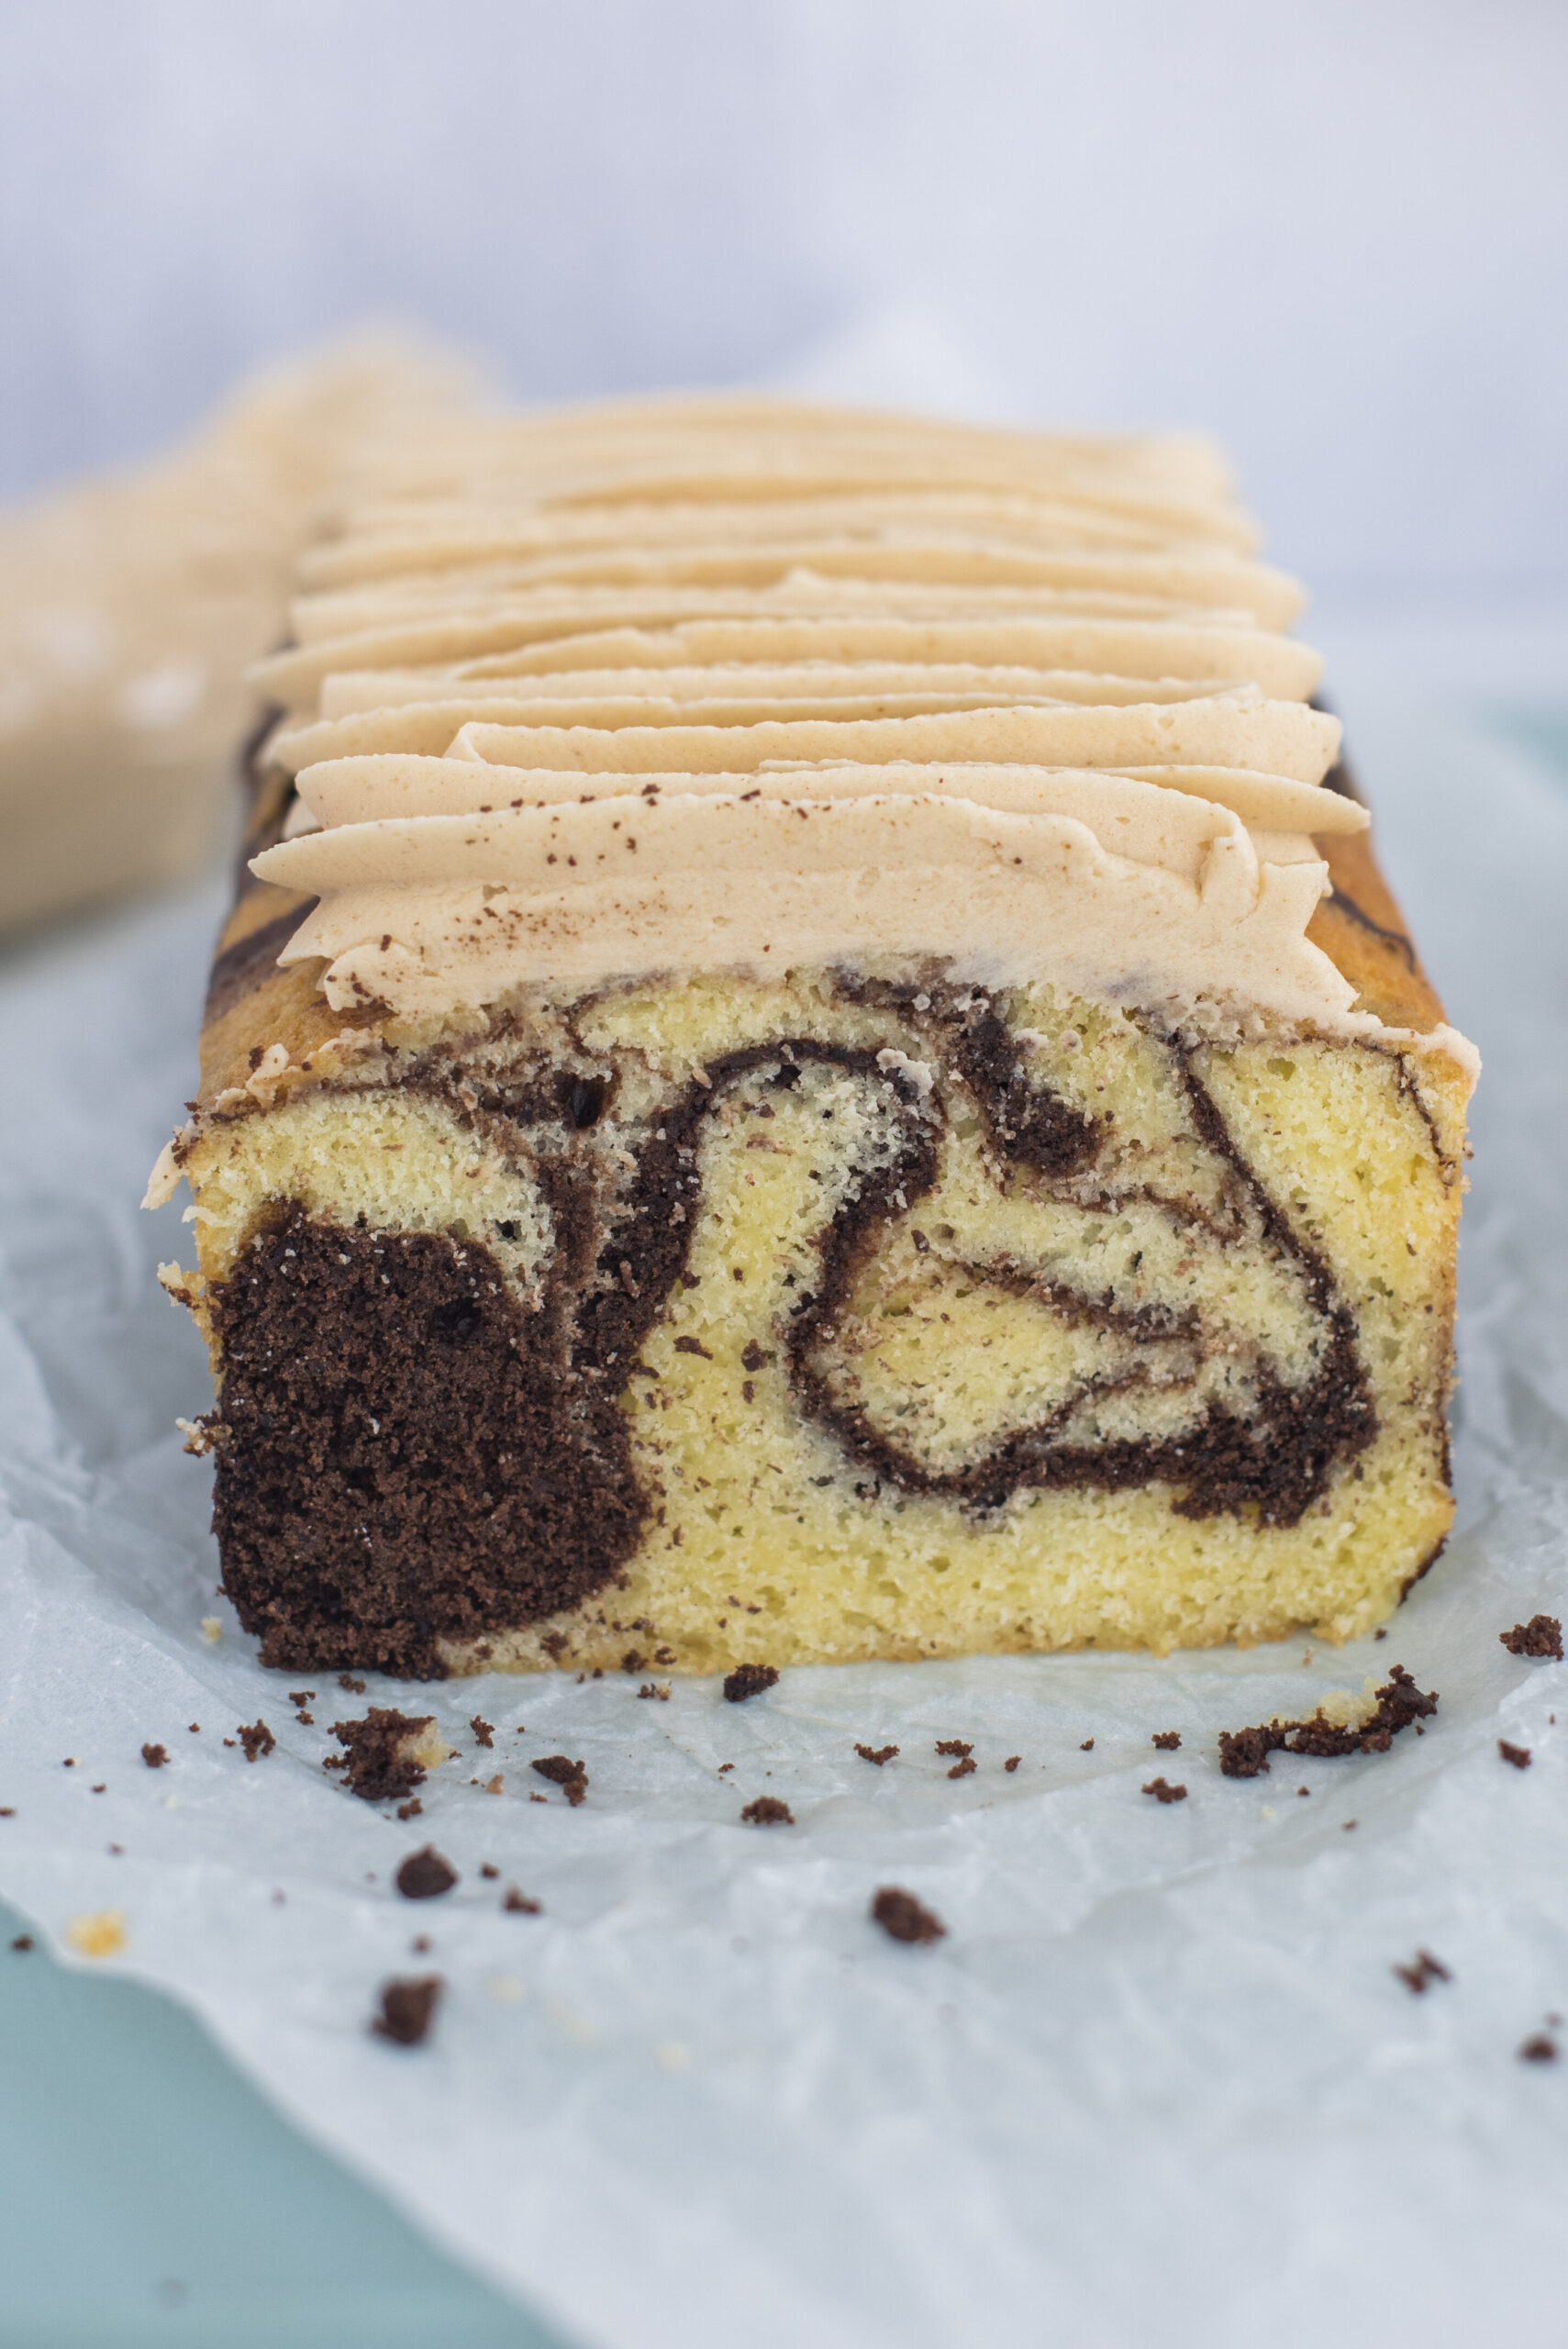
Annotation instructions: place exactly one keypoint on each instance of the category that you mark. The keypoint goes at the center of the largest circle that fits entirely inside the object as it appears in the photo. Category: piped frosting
(744, 685)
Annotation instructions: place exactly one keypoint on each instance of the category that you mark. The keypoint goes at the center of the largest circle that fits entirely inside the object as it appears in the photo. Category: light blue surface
(147, 2196)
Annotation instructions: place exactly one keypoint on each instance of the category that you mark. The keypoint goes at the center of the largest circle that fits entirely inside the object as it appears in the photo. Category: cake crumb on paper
(1163, 1791)
(749, 1680)
(99, 1935)
(903, 1918)
(1341, 1725)
(408, 2004)
(1541, 1637)
(1424, 1968)
(768, 1811)
(387, 1753)
(425, 1875)
(563, 1772)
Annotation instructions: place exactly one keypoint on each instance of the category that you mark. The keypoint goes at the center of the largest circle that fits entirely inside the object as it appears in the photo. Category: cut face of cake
(789, 1087)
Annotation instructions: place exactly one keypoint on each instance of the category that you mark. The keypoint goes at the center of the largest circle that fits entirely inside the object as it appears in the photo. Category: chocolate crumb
(8, 1811)
(955, 1745)
(654, 1688)
(569, 1775)
(633, 1660)
(1518, 1754)
(421, 1945)
(229, 1741)
(692, 1346)
(412, 1809)
(1012, 1761)
(768, 1811)
(23, 1942)
(1347, 1823)
(964, 1769)
(1303, 1790)
(355, 1687)
(1087, 1746)
(379, 1770)
(1423, 1968)
(257, 1739)
(724, 1766)
(195, 1728)
(752, 1358)
(749, 1680)
(484, 1731)
(155, 1756)
(1167, 1740)
(517, 1904)
(1541, 1636)
(489, 1870)
(425, 1875)
(1163, 1792)
(1243, 1753)
(903, 1918)
(407, 2009)
(1537, 2049)
(1381, 1632)
(301, 1695)
(877, 1754)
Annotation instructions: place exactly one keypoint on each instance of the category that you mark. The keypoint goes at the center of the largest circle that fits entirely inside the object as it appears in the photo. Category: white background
(1336, 232)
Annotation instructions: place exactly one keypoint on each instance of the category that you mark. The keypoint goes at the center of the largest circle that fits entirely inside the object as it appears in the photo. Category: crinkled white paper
(1159, 2082)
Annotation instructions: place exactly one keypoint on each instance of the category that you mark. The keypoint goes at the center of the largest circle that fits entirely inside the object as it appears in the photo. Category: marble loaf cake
(811, 1063)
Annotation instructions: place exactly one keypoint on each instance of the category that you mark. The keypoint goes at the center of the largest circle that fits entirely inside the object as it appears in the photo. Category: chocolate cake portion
(457, 1474)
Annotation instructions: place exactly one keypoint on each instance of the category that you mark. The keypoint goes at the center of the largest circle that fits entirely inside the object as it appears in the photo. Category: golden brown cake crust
(1361, 930)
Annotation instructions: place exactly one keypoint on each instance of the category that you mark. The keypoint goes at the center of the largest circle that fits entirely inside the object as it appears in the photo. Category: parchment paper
(1159, 2082)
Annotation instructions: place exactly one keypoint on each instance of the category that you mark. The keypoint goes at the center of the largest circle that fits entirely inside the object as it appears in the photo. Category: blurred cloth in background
(130, 607)
(1335, 236)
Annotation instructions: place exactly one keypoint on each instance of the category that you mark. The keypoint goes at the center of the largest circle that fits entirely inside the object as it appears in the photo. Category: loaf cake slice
(812, 1063)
